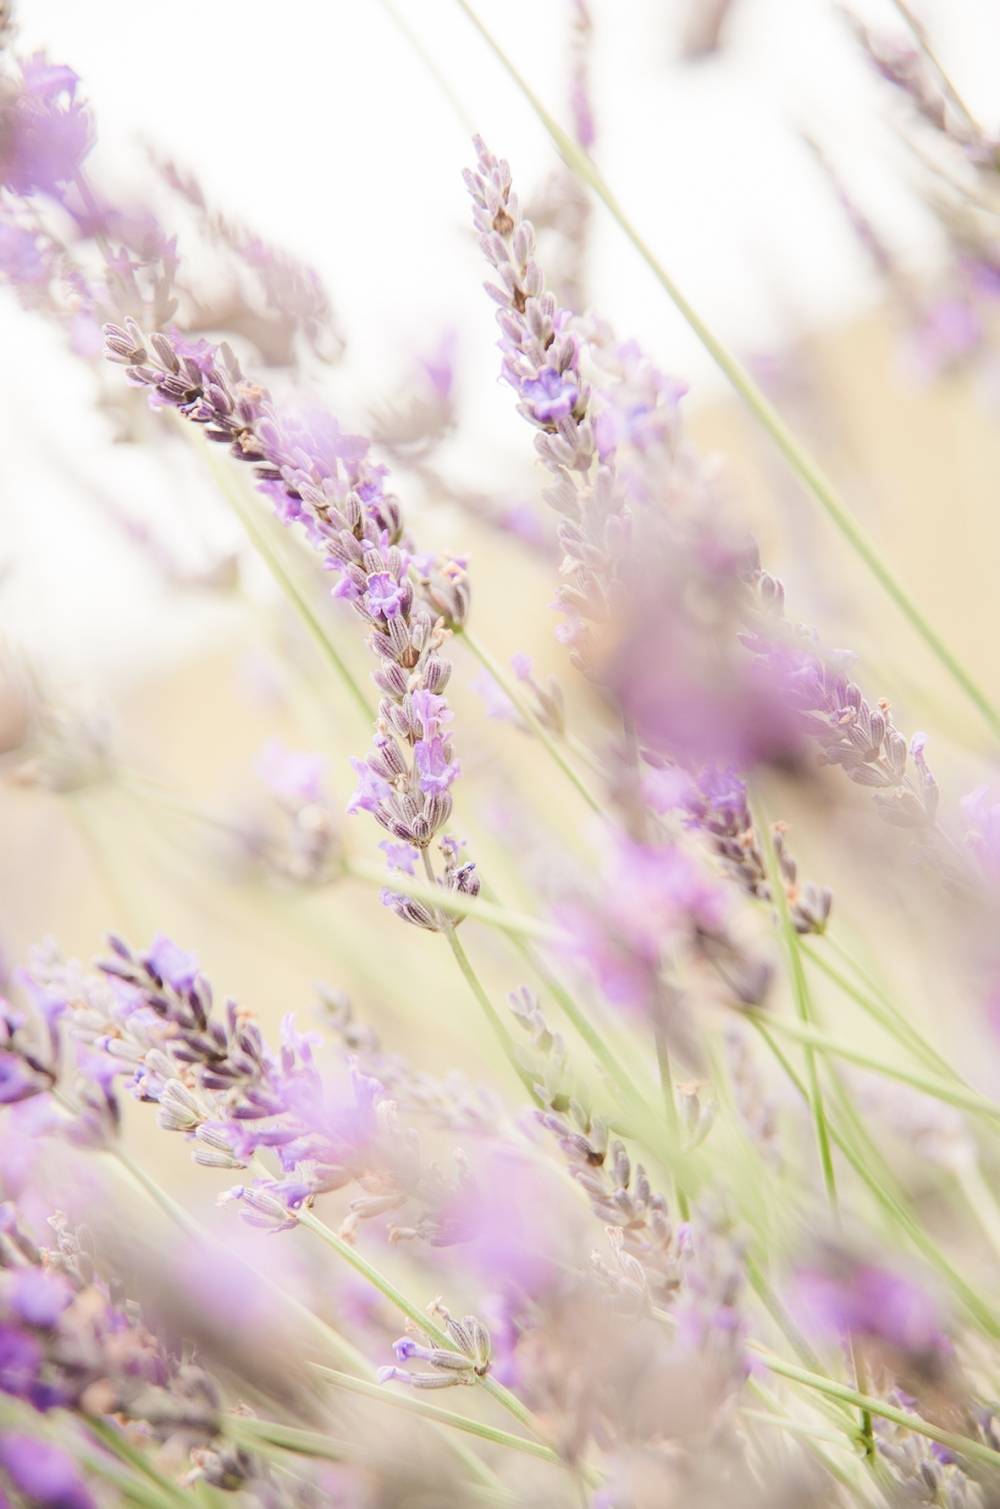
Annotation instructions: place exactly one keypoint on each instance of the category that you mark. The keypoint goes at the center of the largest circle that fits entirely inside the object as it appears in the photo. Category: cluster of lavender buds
(620, 448)
(716, 802)
(70, 1343)
(831, 708)
(321, 478)
(464, 1362)
(541, 362)
(149, 1019)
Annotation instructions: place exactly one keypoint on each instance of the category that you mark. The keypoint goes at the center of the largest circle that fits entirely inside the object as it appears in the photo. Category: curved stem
(966, 1100)
(116, 1443)
(803, 1001)
(963, 1445)
(801, 462)
(258, 538)
(893, 1205)
(887, 1016)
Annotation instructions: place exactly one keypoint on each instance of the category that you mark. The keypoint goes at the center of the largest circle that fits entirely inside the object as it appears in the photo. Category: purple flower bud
(436, 771)
(384, 595)
(551, 395)
(372, 788)
(171, 964)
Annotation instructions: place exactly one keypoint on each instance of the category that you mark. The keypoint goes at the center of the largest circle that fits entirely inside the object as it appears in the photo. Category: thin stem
(892, 1204)
(537, 727)
(104, 867)
(966, 1100)
(454, 903)
(801, 462)
(669, 1102)
(289, 586)
(647, 1128)
(339, 1345)
(420, 1318)
(923, 41)
(805, 1428)
(887, 1015)
(437, 74)
(115, 1442)
(963, 1445)
(414, 1405)
(980, 1199)
(303, 1443)
(803, 1002)
(497, 1026)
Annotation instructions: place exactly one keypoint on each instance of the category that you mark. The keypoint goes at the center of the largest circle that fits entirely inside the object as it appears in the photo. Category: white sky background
(316, 123)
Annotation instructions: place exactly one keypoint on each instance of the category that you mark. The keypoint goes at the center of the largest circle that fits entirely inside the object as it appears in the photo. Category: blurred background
(130, 594)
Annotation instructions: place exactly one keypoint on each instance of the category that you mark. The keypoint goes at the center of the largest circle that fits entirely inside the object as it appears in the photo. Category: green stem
(883, 1012)
(420, 1318)
(534, 723)
(103, 865)
(967, 1100)
(963, 1445)
(802, 464)
(303, 1443)
(454, 903)
(893, 1205)
(437, 74)
(803, 1001)
(669, 1103)
(804, 1428)
(414, 1405)
(258, 538)
(496, 1024)
(980, 1199)
(114, 1441)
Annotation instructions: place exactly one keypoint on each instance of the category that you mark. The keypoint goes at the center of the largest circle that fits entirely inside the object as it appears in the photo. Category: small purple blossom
(436, 770)
(384, 596)
(400, 856)
(372, 790)
(551, 395)
(45, 131)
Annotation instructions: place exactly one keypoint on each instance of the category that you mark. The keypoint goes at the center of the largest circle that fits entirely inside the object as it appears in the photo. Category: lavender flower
(45, 131)
(320, 478)
(446, 1368)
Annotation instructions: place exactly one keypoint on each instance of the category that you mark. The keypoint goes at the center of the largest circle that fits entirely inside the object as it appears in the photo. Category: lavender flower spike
(320, 478)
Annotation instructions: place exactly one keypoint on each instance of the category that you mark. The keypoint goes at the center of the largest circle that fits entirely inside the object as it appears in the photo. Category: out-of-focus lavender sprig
(561, 210)
(46, 131)
(149, 1020)
(716, 804)
(293, 295)
(915, 72)
(70, 1344)
(615, 450)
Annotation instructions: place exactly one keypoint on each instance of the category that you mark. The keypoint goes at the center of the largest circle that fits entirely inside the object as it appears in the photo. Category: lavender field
(499, 732)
